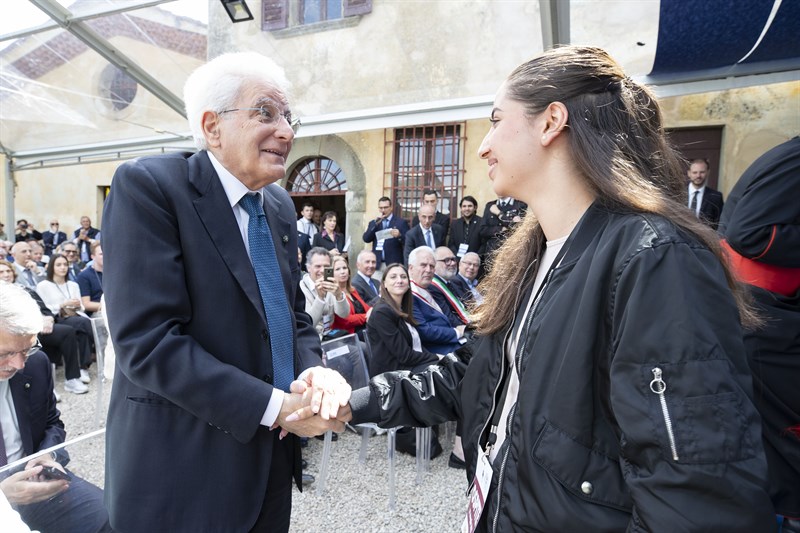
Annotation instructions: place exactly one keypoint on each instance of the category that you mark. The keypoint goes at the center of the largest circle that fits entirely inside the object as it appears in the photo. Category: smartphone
(52, 473)
(328, 272)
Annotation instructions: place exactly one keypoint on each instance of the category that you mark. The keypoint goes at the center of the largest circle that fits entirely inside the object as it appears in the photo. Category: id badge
(462, 249)
(379, 246)
(477, 496)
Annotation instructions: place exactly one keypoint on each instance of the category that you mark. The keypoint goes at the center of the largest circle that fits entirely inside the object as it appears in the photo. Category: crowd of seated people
(63, 272)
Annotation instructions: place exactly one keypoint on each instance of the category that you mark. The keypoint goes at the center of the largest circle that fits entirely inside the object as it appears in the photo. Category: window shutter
(275, 14)
(356, 7)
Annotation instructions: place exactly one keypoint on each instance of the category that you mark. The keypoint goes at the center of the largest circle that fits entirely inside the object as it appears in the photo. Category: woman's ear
(555, 120)
(210, 123)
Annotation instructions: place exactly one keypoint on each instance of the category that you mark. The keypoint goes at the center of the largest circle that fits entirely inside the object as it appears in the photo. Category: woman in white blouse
(63, 297)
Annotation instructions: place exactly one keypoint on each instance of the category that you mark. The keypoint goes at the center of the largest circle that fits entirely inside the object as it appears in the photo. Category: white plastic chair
(101, 340)
(347, 357)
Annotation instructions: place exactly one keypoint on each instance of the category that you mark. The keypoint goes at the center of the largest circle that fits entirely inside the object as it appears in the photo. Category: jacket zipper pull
(659, 387)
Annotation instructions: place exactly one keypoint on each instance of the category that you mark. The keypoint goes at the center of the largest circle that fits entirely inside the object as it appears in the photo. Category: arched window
(317, 176)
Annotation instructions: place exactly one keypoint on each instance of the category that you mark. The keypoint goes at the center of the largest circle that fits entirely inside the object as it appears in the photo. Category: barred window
(425, 157)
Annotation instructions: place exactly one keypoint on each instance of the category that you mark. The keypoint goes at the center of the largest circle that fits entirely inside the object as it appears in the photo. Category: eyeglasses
(68, 252)
(54, 223)
(270, 113)
(448, 260)
(25, 353)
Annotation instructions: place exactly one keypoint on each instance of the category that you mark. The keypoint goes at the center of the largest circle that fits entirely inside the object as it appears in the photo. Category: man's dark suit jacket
(194, 371)
(40, 424)
(392, 248)
(416, 238)
(711, 207)
(364, 289)
(458, 234)
(440, 218)
(435, 331)
(49, 238)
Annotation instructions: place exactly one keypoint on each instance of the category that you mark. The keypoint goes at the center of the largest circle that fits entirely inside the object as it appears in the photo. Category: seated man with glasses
(29, 423)
(445, 292)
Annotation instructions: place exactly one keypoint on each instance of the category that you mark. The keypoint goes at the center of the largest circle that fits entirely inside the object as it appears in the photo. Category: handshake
(316, 402)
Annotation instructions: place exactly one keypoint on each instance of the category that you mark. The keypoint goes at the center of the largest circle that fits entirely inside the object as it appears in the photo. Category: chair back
(346, 356)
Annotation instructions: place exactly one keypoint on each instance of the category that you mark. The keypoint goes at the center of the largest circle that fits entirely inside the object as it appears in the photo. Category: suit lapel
(217, 216)
(19, 385)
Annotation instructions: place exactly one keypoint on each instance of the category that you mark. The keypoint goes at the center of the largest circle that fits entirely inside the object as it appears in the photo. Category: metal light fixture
(237, 10)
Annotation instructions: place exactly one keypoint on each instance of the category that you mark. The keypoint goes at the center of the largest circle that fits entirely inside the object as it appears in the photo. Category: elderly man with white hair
(208, 346)
(435, 331)
(30, 423)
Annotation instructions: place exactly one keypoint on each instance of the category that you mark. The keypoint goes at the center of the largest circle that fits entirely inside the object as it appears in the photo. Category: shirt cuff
(273, 408)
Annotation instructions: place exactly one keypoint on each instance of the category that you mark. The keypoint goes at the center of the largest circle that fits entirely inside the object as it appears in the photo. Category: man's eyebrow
(267, 100)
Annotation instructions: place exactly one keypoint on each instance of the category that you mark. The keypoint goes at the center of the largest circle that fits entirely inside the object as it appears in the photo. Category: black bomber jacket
(635, 406)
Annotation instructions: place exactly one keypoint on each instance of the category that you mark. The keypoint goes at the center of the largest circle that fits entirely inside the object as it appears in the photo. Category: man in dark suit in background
(703, 200)
(26, 385)
(387, 250)
(53, 237)
(368, 288)
(426, 233)
(465, 233)
(431, 197)
(206, 349)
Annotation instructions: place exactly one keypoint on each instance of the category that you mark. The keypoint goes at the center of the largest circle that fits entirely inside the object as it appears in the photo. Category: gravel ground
(356, 496)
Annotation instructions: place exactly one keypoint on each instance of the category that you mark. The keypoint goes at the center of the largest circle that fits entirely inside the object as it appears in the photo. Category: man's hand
(299, 400)
(395, 233)
(328, 390)
(23, 488)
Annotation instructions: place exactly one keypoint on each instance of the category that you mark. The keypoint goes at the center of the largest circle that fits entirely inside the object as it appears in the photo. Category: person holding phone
(46, 494)
(324, 297)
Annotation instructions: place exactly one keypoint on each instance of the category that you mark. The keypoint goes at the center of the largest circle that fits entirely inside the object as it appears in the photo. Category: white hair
(216, 86)
(19, 313)
(412, 257)
(473, 255)
(362, 253)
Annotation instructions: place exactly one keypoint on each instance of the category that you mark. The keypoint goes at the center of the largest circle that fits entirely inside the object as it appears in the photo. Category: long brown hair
(617, 143)
(406, 310)
(348, 287)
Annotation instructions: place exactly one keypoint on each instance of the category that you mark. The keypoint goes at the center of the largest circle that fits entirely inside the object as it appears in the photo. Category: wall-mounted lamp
(237, 10)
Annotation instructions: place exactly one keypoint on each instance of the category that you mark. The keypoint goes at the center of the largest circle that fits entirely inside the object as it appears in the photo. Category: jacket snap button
(587, 487)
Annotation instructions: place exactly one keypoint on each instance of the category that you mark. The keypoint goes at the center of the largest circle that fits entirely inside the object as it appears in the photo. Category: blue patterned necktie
(273, 295)
(429, 239)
